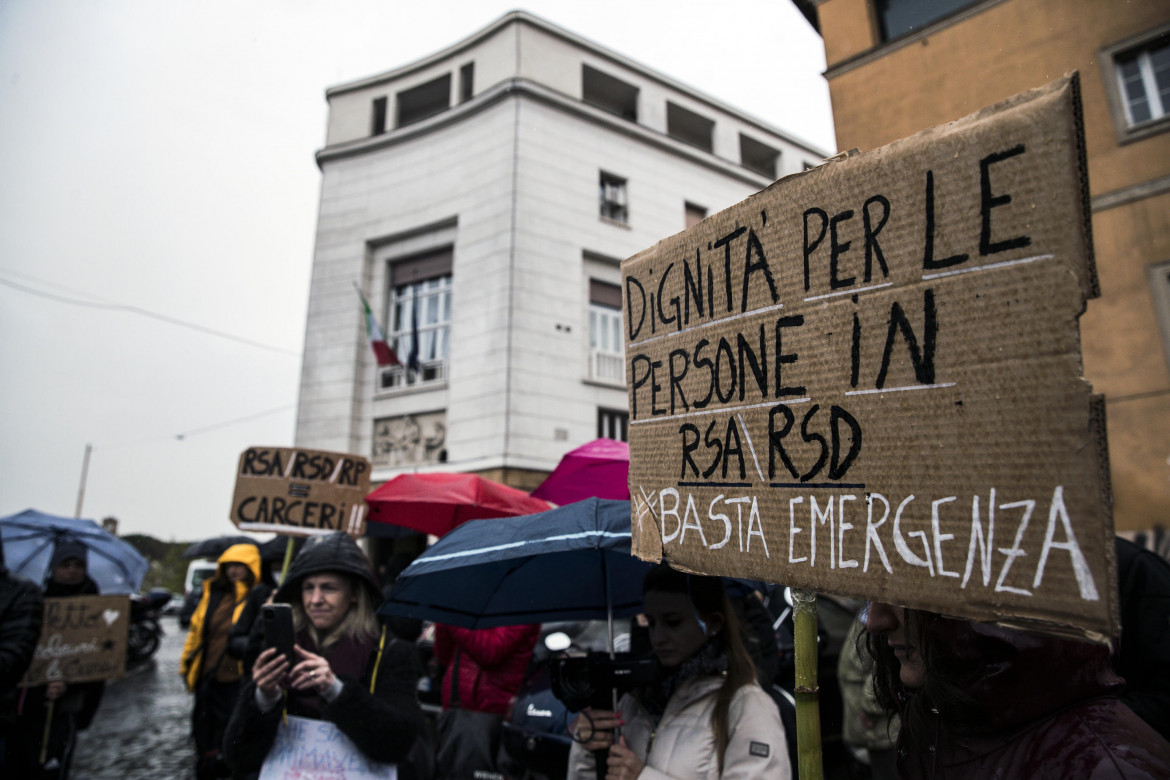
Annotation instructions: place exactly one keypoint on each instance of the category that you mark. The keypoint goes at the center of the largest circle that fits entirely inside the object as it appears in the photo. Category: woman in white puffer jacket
(706, 717)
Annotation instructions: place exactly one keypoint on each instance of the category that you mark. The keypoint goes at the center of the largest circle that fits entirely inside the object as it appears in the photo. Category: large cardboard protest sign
(300, 492)
(83, 638)
(866, 379)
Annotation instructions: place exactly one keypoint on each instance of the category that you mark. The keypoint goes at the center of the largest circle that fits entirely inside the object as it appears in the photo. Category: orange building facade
(895, 67)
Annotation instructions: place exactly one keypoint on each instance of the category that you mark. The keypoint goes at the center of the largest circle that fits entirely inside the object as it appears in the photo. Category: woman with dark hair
(706, 717)
(209, 669)
(348, 672)
(978, 700)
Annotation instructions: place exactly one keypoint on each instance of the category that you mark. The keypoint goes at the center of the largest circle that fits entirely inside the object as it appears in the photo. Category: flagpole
(84, 475)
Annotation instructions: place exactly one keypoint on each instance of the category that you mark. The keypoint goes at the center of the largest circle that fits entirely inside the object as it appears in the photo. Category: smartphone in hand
(278, 630)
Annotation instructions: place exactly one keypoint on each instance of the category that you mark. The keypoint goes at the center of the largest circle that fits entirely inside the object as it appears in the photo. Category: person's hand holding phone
(312, 672)
(269, 671)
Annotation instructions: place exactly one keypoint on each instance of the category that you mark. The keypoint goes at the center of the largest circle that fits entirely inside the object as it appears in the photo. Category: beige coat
(683, 745)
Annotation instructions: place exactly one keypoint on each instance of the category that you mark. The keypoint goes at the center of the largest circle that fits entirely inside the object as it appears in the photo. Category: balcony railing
(399, 377)
(608, 367)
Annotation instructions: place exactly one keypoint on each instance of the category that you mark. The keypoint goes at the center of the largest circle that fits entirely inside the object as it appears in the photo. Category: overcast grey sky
(157, 164)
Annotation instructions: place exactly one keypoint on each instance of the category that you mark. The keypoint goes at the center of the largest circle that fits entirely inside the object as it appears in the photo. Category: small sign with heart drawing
(82, 638)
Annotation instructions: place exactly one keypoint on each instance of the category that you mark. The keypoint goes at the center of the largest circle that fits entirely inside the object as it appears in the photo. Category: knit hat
(65, 549)
(332, 552)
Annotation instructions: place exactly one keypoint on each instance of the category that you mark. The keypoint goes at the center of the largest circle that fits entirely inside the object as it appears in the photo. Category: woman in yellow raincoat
(211, 673)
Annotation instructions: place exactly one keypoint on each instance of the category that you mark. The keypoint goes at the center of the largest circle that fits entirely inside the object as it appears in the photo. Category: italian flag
(382, 352)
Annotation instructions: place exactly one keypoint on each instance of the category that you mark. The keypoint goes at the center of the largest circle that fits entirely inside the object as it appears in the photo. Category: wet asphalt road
(141, 729)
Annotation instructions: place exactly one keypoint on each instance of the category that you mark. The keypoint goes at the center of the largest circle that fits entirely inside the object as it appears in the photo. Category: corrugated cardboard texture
(300, 492)
(866, 379)
(82, 638)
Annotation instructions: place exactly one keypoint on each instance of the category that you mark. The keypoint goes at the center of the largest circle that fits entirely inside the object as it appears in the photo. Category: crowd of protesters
(926, 696)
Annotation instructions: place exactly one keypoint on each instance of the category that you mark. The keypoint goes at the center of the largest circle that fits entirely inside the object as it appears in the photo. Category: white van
(197, 572)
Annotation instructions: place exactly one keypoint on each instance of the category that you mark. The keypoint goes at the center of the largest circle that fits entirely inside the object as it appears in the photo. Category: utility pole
(84, 474)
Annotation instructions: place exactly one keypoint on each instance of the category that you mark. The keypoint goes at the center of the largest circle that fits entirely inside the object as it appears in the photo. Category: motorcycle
(145, 631)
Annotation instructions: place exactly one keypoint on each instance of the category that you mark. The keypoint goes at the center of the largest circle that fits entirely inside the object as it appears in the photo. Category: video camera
(587, 681)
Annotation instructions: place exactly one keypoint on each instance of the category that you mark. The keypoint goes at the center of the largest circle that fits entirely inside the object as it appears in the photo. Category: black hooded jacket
(21, 612)
(335, 552)
(385, 723)
(1044, 708)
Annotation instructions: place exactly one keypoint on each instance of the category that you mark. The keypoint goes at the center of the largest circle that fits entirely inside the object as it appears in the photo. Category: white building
(493, 189)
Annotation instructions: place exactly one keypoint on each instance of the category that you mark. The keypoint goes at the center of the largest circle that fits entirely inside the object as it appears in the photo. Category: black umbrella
(215, 546)
(274, 549)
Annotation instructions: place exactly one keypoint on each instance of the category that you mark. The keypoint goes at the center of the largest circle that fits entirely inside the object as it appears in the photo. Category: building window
(607, 361)
(613, 424)
(420, 319)
(689, 127)
(758, 157)
(609, 94)
(425, 100)
(466, 82)
(1144, 80)
(1136, 72)
(693, 215)
(613, 198)
(901, 17)
(1160, 291)
(378, 117)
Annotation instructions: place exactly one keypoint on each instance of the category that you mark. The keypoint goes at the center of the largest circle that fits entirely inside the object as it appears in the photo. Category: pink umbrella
(600, 468)
(437, 502)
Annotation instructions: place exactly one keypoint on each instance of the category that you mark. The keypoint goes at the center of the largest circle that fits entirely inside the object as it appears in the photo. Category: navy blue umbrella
(569, 563)
(31, 536)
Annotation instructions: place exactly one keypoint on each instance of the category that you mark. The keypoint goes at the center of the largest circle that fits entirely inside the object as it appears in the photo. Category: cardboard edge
(1082, 163)
(1067, 90)
(1098, 430)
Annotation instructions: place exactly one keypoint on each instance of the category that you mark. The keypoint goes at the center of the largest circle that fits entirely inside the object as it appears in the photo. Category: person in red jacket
(484, 670)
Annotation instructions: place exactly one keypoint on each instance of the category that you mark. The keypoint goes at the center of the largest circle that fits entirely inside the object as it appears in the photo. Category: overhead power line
(194, 431)
(236, 421)
(91, 304)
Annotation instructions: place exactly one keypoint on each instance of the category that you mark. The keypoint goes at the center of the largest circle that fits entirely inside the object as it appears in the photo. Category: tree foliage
(168, 568)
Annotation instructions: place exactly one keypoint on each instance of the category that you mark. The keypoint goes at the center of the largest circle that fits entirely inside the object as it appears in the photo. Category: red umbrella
(600, 468)
(435, 503)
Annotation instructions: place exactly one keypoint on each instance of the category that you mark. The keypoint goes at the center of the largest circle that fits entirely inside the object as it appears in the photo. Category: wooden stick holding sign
(866, 379)
(807, 691)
